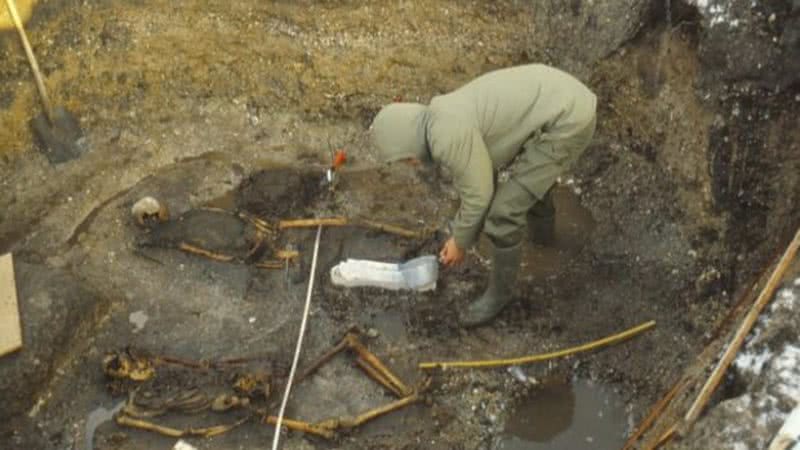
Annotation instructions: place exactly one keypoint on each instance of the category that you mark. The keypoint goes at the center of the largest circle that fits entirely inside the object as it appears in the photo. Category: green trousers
(533, 174)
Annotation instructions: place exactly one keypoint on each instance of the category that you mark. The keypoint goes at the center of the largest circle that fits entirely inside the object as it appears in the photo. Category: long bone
(368, 362)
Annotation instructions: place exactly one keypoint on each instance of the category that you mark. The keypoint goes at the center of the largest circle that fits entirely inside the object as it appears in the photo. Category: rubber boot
(542, 221)
(505, 265)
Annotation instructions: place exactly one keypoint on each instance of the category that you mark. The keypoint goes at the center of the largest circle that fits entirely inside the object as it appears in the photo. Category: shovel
(57, 130)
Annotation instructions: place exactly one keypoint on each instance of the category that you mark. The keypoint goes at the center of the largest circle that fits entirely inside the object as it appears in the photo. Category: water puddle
(573, 227)
(96, 418)
(581, 415)
(574, 222)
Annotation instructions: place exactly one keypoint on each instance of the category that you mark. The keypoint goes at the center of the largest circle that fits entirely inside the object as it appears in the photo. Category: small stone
(372, 333)
(183, 445)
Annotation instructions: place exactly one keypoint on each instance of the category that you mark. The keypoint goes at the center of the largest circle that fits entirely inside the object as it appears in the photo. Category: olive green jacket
(481, 127)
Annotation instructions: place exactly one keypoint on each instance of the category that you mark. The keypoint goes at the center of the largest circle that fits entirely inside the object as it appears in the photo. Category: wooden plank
(10, 330)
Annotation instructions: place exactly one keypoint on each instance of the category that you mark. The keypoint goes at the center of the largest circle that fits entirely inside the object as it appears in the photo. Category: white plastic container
(418, 274)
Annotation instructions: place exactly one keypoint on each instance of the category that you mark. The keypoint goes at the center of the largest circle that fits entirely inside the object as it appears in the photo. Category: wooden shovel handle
(12, 9)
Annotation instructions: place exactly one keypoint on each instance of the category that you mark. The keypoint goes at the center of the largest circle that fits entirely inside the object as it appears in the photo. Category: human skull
(148, 211)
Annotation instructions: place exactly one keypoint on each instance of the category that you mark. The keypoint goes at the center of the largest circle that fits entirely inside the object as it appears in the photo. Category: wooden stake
(789, 432)
(655, 413)
(781, 443)
(666, 437)
(733, 348)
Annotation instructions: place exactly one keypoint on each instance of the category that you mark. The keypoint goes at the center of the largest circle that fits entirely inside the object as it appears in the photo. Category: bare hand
(451, 254)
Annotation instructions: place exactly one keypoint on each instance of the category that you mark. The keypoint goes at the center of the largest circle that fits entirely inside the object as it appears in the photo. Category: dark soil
(276, 194)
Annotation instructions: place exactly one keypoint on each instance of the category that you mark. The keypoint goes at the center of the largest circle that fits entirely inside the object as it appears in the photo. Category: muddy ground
(686, 194)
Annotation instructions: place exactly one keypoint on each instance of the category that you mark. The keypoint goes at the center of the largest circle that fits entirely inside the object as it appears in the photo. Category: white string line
(276, 438)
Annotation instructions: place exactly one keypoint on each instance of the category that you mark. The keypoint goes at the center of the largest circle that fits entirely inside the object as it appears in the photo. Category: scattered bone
(126, 365)
(253, 385)
(226, 402)
(207, 432)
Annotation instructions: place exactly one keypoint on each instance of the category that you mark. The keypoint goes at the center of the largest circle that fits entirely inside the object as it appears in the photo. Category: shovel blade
(60, 140)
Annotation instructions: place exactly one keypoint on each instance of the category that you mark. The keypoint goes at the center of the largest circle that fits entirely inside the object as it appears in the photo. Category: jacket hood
(398, 132)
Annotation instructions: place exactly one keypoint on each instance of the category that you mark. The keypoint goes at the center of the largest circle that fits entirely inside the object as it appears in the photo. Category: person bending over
(534, 120)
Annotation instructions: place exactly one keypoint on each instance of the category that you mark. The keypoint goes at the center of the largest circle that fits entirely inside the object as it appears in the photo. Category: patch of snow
(785, 299)
(765, 402)
(771, 361)
(518, 374)
(717, 12)
(769, 413)
(788, 359)
(752, 362)
(745, 400)
(786, 368)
